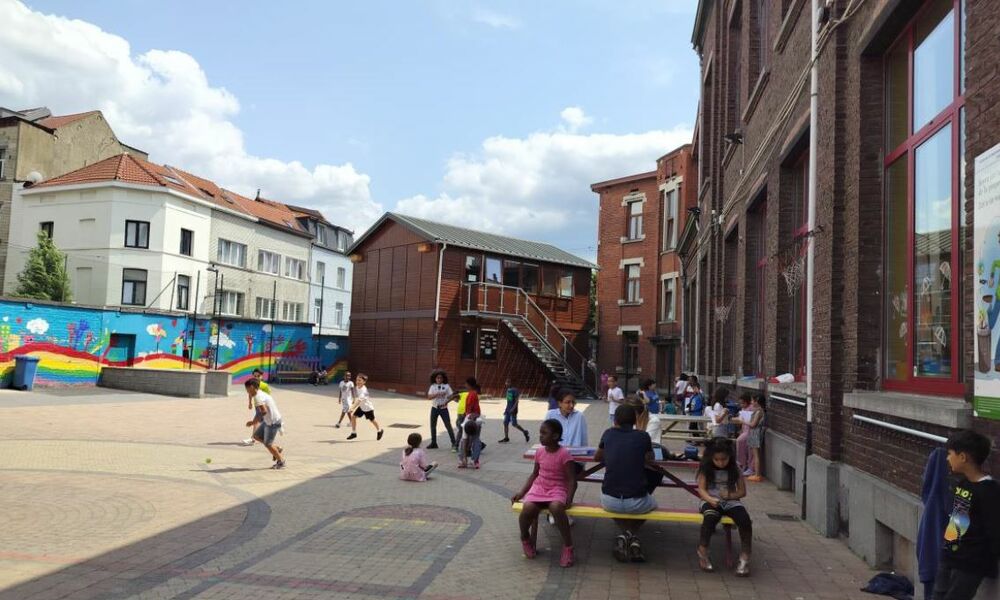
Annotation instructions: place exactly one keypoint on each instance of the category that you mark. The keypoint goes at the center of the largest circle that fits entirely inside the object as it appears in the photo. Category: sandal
(704, 563)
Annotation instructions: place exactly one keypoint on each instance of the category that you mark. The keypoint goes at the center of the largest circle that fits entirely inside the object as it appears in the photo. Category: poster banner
(986, 284)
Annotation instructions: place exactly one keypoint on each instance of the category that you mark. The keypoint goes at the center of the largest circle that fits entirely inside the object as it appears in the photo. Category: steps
(550, 359)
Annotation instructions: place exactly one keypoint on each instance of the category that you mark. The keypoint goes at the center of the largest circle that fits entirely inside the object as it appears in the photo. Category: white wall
(331, 292)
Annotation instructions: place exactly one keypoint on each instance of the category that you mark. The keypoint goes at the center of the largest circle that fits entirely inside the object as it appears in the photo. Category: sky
(490, 115)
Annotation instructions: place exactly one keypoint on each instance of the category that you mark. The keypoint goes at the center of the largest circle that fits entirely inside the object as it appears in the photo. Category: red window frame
(949, 115)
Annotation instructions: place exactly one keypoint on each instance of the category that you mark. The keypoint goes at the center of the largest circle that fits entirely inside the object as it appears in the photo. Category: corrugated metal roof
(480, 240)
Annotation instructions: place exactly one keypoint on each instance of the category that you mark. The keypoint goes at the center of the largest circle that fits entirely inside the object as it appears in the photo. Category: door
(121, 349)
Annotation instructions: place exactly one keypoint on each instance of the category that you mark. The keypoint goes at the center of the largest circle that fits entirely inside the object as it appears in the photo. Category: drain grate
(781, 517)
(404, 426)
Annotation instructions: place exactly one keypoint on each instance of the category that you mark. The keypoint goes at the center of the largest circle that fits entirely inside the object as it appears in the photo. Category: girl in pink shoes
(414, 466)
(551, 487)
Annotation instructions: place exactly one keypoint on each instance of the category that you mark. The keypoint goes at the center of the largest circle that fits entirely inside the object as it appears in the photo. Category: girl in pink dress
(414, 466)
(551, 487)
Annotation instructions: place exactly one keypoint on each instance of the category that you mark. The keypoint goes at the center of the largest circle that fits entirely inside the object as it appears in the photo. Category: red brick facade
(650, 321)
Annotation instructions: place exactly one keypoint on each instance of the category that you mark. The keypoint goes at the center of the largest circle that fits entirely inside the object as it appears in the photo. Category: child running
(551, 486)
(972, 536)
(267, 421)
(264, 387)
(721, 485)
(363, 407)
(346, 398)
(510, 414)
(414, 466)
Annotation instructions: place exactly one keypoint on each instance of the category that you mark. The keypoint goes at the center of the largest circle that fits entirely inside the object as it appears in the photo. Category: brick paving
(111, 495)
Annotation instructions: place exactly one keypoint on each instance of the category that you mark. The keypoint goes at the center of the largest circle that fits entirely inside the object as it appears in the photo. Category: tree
(44, 276)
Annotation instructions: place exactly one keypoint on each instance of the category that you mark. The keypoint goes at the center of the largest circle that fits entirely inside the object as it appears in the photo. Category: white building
(331, 273)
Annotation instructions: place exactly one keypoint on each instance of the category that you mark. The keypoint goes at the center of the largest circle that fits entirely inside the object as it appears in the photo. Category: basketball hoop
(794, 273)
(722, 310)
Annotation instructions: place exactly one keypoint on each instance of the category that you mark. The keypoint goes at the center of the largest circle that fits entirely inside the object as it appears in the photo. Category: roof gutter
(699, 24)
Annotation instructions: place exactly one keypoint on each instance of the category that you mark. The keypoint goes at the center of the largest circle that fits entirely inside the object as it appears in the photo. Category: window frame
(300, 268)
(950, 115)
(49, 227)
(224, 297)
(190, 242)
(321, 272)
(338, 314)
(670, 217)
(668, 282)
(261, 306)
(632, 293)
(473, 261)
(138, 230)
(135, 300)
(633, 221)
(183, 299)
(230, 245)
(342, 278)
(274, 259)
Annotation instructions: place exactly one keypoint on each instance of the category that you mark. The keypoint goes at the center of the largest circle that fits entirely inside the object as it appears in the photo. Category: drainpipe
(437, 303)
(810, 249)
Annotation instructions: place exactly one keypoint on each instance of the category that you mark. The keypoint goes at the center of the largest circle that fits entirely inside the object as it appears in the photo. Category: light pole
(215, 314)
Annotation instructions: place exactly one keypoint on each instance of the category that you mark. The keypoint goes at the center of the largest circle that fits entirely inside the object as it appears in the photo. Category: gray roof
(479, 240)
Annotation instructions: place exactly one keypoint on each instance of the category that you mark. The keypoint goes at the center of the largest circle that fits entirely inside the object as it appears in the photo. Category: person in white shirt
(720, 413)
(680, 392)
(346, 398)
(267, 421)
(615, 397)
(363, 407)
(440, 394)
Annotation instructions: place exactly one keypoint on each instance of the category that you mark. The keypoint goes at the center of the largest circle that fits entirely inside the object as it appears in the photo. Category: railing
(505, 300)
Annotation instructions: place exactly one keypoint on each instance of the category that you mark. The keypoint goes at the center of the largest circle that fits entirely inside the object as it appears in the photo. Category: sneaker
(352, 436)
(566, 560)
(552, 520)
(432, 446)
(503, 441)
(454, 448)
(248, 442)
(569, 519)
(704, 563)
(430, 468)
(743, 568)
(635, 551)
(279, 465)
(337, 425)
(475, 464)
(621, 548)
(379, 435)
(529, 550)
(527, 438)
(747, 472)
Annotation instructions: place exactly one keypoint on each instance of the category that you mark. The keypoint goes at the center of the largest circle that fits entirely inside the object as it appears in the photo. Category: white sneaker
(552, 520)
(248, 442)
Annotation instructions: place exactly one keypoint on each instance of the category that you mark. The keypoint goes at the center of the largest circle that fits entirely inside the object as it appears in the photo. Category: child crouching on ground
(551, 486)
(721, 485)
(414, 466)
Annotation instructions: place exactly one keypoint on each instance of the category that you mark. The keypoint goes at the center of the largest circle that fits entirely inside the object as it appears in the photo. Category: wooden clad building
(429, 295)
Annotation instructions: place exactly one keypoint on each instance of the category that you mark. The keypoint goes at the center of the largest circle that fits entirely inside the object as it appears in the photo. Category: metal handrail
(528, 304)
(901, 429)
(788, 400)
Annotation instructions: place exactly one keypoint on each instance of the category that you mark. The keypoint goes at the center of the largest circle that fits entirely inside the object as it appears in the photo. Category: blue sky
(451, 110)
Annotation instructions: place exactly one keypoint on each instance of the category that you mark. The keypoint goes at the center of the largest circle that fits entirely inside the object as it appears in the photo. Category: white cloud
(37, 326)
(575, 119)
(494, 19)
(163, 102)
(538, 186)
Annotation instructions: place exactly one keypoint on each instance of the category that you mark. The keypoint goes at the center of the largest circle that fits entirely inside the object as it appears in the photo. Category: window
(321, 273)
(760, 42)
(341, 278)
(3, 151)
(755, 294)
(47, 227)
(794, 228)
(291, 311)
(231, 253)
(264, 308)
(670, 198)
(734, 80)
(529, 275)
(469, 343)
(634, 220)
(183, 291)
(134, 287)
(342, 240)
(295, 268)
(231, 303)
(632, 283)
(338, 314)
(669, 302)
(472, 268)
(630, 349)
(321, 234)
(187, 242)
(493, 272)
(512, 273)
(557, 282)
(136, 234)
(566, 284)
(317, 310)
(924, 153)
(268, 262)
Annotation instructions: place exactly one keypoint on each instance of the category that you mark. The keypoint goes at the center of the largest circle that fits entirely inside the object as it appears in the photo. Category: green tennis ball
(208, 461)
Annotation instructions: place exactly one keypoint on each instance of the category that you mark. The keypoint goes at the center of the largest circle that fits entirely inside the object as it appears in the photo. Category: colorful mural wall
(73, 342)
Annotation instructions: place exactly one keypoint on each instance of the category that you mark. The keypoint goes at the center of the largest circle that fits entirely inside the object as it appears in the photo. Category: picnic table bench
(295, 369)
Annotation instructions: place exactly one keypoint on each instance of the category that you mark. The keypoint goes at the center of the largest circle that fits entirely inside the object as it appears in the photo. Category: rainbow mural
(73, 343)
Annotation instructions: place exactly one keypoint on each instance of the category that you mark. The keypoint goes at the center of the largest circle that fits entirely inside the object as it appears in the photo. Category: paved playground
(108, 494)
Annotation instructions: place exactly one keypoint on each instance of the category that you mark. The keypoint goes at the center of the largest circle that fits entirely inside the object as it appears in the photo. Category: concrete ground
(109, 494)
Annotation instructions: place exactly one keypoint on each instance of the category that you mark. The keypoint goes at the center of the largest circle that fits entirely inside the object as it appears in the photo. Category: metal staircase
(533, 327)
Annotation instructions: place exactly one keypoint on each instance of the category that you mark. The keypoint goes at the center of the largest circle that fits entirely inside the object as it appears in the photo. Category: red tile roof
(130, 169)
(55, 122)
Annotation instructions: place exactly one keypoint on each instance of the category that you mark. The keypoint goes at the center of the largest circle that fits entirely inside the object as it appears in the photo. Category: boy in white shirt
(346, 397)
(363, 407)
(615, 397)
(267, 421)
(719, 413)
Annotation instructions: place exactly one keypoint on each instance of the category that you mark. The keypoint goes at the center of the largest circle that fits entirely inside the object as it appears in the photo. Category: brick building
(638, 285)
(428, 295)
(900, 84)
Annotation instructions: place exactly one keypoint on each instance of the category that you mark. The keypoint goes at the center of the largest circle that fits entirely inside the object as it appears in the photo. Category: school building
(428, 295)
(906, 132)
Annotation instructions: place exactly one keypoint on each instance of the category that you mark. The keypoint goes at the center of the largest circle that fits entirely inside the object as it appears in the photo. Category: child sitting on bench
(721, 485)
(550, 486)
